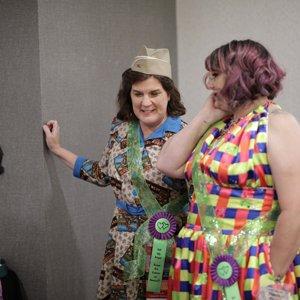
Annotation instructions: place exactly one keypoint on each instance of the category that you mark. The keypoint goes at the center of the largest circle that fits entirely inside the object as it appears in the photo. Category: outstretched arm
(52, 132)
(177, 149)
(284, 158)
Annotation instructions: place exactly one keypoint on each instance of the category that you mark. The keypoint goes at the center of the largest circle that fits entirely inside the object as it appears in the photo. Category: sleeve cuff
(78, 164)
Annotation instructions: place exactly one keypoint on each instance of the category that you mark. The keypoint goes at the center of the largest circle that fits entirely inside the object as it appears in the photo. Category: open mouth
(147, 110)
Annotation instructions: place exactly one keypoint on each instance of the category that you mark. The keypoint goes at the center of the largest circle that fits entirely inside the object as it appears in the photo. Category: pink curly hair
(250, 71)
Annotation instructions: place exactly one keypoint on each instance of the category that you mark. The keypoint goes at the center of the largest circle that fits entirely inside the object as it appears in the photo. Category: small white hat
(153, 62)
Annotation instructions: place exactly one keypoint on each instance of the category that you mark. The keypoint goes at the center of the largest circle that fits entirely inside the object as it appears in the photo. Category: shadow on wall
(64, 264)
(11, 286)
(1, 167)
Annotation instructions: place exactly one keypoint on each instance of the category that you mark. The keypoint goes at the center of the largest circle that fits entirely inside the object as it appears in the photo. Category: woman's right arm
(95, 172)
(177, 149)
(52, 132)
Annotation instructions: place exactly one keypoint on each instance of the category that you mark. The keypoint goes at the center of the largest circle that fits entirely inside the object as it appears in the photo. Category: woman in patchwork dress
(240, 156)
(149, 114)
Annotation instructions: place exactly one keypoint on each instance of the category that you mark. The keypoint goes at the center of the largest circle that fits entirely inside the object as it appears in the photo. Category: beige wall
(63, 59)
(85, 45)
(203, 25)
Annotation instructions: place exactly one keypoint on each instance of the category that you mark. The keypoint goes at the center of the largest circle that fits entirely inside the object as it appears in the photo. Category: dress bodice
(233, 158)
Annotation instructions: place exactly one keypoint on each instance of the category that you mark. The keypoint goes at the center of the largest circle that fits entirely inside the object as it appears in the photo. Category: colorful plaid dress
(240, 188)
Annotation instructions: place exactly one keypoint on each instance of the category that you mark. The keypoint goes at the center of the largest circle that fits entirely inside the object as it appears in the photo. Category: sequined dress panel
(240, 188)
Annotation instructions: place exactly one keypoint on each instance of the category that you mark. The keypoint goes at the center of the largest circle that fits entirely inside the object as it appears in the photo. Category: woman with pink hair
(240, 157)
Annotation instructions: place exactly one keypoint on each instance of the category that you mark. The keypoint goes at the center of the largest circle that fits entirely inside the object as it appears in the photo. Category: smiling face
(149, 103)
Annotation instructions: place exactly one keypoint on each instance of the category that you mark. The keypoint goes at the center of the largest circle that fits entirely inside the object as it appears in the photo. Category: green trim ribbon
(136, 267)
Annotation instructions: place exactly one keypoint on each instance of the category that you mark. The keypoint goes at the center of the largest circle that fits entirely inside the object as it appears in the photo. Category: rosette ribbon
(225, 271)
(160, 225)
(226, 254)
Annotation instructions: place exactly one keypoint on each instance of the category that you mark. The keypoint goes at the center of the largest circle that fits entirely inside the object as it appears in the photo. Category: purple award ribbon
(162, 227)
(225, 271)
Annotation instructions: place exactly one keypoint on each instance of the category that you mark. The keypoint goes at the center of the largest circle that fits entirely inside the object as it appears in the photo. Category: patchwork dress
(129, 215)
(237, 184)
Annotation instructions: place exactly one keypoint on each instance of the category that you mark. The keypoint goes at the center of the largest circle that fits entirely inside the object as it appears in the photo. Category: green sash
(136, 267)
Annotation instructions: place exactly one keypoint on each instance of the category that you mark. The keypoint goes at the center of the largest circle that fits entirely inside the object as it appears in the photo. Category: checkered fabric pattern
(240, 187)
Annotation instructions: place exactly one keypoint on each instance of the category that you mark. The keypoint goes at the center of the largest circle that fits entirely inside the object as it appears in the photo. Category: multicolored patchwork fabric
(112, 169)
(233, 159)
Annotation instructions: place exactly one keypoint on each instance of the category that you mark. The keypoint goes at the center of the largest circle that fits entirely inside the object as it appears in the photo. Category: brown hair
(125, 111)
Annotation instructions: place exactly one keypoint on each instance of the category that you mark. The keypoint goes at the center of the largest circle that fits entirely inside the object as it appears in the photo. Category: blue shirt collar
(171, 124)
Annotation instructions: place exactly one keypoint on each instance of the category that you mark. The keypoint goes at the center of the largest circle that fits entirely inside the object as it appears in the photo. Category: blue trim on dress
(78, 164)
(133, 210)
(171, 124)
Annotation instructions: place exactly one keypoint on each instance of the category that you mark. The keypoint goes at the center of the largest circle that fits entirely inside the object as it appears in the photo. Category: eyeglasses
(210, 77)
